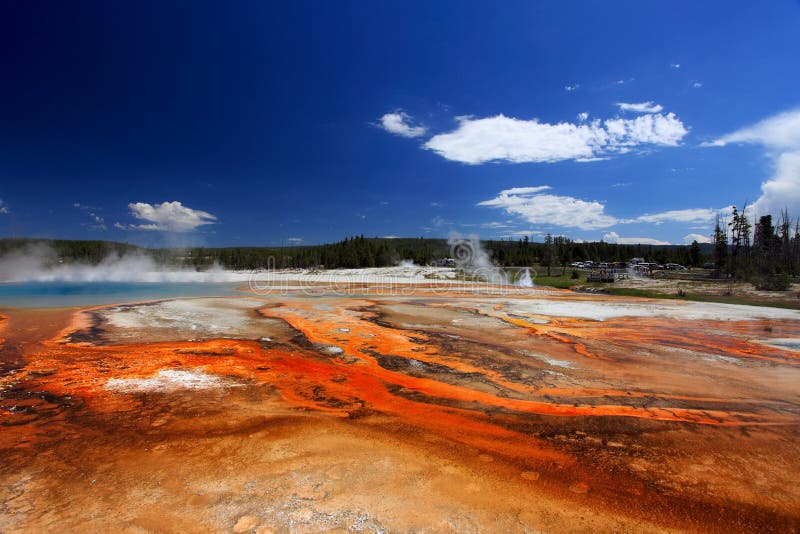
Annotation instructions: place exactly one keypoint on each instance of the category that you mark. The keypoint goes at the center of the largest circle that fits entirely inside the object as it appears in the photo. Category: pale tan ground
(715, 288)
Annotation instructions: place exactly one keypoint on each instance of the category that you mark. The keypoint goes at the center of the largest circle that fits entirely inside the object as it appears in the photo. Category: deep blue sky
(268, 117)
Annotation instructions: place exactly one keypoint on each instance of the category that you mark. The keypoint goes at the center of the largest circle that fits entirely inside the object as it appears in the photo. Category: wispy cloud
(697, 85)
(572, 87)
(519, 233)
(613, 237)
(96, 222)
(400, 123)
(692, 215)
(621, 81)
(502, 138)
(440, 221)
(80, 206)
(295, 240)
(3, 207)
(675, 66)
(525, 190)
(495, 224)
(167, 217)
(780, 135)
(641, 107)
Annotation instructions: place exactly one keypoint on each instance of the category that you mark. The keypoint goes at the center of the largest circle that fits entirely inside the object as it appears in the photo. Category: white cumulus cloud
(544, 208)
(642, 107)
(399, 123)
(168, 217)
(780, 135)
(502, 138)
(700, 238)
(781, 131)
(613, 237)
(536, 206)
(656, 129)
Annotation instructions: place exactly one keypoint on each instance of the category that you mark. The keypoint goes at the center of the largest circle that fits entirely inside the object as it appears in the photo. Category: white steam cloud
(40, 263)
(473, 260)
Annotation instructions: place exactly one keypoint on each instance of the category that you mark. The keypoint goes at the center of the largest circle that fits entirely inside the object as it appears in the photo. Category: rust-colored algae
(471, 417)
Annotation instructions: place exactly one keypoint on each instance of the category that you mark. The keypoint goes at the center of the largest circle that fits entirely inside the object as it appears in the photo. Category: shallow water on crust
(62, 294)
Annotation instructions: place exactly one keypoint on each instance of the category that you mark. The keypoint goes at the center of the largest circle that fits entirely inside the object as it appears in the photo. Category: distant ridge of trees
(761, 252)
(86, 251)
(360, 251)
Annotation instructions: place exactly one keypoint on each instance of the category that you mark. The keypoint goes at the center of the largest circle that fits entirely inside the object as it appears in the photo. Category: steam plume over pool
(473, 260)
(41, 264)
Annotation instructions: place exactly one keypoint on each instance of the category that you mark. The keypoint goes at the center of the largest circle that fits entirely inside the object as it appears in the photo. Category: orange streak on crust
(322, 327)
(364, 383)
(636, 331)
(3, 324)
(296, 375)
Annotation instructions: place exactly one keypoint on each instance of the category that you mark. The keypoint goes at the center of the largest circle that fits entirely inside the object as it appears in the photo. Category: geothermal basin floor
(525, 410)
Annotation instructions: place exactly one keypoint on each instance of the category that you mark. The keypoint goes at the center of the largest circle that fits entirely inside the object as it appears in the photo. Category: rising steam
(474, 261)
(40, 263)
(525, 279)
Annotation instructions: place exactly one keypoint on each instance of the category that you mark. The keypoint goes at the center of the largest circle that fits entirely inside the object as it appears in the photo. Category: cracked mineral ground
(523, 411)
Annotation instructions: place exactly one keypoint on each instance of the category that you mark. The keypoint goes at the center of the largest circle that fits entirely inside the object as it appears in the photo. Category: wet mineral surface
(530, 411)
